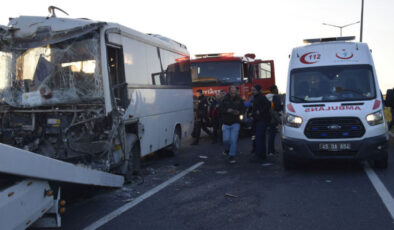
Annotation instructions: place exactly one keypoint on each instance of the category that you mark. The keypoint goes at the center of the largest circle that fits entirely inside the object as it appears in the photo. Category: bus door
(117, 76)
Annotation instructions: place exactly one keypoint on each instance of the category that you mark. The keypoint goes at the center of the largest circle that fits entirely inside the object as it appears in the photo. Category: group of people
(225, 113)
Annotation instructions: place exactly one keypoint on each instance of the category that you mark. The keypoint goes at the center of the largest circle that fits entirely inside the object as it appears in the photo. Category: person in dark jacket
(389, 103)
(201, 117)
(214, 112)
(276, 107)
(261, 117)
(232, 107)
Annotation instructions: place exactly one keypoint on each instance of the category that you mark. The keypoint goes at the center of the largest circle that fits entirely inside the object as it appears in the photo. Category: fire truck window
(250, 73)
(264, 71)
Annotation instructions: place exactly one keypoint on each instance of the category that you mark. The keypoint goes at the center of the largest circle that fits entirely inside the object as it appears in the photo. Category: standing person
(392, 119)
(261, 117)
(249, 111)
(276, 106)
(201, 117)
(232, 106)
(214, 113)
(391, 105)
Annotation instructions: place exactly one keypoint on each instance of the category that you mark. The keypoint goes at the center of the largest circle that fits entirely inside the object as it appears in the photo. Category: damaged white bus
(92, 92)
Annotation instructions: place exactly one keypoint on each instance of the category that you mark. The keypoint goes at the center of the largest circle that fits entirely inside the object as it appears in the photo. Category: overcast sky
(268, 28)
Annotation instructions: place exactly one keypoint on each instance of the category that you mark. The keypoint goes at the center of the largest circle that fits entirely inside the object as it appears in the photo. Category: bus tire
(132, 165)
(176, 141)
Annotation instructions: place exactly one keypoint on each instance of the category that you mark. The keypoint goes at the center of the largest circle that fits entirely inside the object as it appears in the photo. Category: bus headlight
(241, 117)
(293, 121)
(375, 118)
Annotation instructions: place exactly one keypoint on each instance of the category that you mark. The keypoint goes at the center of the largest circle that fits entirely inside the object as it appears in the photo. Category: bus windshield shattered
(51, 74)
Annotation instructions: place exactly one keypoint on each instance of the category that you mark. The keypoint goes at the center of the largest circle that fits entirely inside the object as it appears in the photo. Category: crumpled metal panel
(28, 32)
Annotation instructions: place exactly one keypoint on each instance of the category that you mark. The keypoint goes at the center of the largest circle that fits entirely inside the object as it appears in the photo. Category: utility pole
(340, 27)
(362, 19)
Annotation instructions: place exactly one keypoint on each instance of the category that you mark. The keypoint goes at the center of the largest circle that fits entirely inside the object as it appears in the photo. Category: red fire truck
(213, 72)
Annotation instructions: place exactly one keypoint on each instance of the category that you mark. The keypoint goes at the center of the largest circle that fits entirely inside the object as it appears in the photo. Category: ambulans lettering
(310, 58)
(332, 108)
(344, 54)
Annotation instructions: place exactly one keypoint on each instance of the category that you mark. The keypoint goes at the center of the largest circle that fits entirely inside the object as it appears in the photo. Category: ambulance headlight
(375, 118)
(293, 121)
(241, 117)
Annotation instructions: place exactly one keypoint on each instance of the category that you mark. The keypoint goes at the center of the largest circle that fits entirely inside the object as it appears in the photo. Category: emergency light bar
(316, 40)
(214, 55)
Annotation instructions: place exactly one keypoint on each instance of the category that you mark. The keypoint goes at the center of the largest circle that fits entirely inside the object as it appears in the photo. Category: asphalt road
(218, 195)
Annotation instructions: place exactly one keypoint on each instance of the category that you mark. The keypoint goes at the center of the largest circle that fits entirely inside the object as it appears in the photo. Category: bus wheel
(176, 141)
(132, 165)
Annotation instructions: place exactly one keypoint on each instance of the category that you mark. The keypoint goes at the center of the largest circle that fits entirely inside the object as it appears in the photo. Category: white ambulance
(333, 107)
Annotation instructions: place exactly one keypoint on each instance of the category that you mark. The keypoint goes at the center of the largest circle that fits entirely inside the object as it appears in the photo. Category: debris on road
(124, 195)
(150, 171)
(231, 195)
(221, 172)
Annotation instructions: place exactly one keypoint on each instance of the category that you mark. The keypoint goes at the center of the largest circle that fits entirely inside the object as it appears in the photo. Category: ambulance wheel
(382, 163)
(288, 162)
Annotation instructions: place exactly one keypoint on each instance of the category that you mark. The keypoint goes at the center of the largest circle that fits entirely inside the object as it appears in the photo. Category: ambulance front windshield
(332, 83)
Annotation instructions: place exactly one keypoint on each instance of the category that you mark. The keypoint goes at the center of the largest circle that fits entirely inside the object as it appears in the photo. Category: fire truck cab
(214, 72)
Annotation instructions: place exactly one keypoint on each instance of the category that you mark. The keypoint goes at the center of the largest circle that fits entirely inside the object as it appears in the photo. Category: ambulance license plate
(335, 146)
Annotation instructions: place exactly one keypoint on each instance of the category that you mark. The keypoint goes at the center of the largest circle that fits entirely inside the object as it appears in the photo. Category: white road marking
(139, 199)
(380, 189)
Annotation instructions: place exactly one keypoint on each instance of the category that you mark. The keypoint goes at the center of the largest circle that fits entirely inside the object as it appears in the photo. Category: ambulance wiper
(298, 98)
